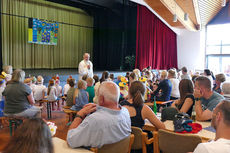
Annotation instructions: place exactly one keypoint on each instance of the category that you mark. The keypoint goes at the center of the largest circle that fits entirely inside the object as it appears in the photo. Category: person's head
(8, 69)
(220, 115)
(132, 77)
(185, 88)
(96, 78)
(51, 84)
(33, 79)
(28, 81)
(32, 136)
(105, 76)
(149, 68)
(137, 72)
(207, 72)
(220, 78)
(57, 82)
(119, 77)
(194, 78)
(184, 70)
(81, 84)
(67, 81)
(203, 84)
(172, 73)
(86, 56)
(226, 88)
(148, 73)
(127, 74)
(90, 81)
(111, 76)
(40, 79)
(108, 94)
(72, 82)
(137, 92)
(163, 75)
(18, 75)
(84, 77)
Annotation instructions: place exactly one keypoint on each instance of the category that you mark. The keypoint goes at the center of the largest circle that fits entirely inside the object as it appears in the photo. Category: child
(33, 84)
(70, 93)
(123, 91)
(39, 90)
(96, 79)
(80, 97)
(66, 87)
(28, 82)
(111, 77)
(90, 89)
(52, 92)
(59, 91)
(8, 70)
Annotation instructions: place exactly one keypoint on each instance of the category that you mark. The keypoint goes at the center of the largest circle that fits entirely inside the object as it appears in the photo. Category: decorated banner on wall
(42, 32)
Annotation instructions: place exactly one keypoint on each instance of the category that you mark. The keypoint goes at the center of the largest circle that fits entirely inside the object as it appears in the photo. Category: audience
(90, 89)
(175, 94)
(220, 78)
(108, 124)
(226, 90)
(111, 77)
(66, 87)
(137, 109)
(185, 74)
(165, 86)
(221, 123)
(33, 136)
(52, 92)
(149, 75)
(132, 78)
(206, 99)
(137, 72)
(8, 70)
(186, 101)
(81, 96)
(19, 100)
(70, 93)
(96, 79)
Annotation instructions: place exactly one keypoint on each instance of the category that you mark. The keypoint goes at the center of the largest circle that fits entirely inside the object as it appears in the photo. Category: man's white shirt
(83, 68)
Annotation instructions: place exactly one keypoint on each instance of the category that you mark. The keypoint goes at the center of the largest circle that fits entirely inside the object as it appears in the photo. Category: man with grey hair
(106, 123)
(85, 66)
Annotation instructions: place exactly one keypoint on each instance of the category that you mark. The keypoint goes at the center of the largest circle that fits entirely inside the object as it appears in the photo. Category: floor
(58, 117)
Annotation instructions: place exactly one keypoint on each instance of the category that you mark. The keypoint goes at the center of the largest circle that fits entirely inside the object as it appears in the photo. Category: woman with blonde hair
(19, 99)
(81, 96)
(33, 136)
(220, 78)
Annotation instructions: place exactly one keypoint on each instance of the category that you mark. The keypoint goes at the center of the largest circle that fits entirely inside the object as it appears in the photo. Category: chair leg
(11, 128)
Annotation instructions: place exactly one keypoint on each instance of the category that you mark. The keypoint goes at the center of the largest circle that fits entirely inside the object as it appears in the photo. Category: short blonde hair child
(40, 79)
(90, 81)
(8, 69)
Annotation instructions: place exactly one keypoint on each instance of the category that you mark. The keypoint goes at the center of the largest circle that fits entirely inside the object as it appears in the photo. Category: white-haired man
(85, 66)
(106, 123)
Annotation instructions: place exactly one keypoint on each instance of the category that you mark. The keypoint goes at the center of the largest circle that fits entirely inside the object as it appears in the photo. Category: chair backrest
(137, 144)
(121, 147)
(171, 142)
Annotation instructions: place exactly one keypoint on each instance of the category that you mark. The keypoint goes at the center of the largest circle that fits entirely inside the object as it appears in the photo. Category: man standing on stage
(85, 66)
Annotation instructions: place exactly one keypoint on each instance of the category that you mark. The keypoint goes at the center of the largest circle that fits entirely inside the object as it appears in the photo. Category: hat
(168, 113)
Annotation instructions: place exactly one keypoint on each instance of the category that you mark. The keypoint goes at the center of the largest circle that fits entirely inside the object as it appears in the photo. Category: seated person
(186, 101)
(32, 136)
(39, 89)
(165, 86)
(81, 97)
(70, 93)
(19, 100)
(137, 109)
(221, 122)
(90, 88)
(220, 78)
(226, 90)
(205, 99)
(106, 123)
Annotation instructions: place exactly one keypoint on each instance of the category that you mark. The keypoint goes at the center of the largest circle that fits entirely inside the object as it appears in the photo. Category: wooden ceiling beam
(174, 8)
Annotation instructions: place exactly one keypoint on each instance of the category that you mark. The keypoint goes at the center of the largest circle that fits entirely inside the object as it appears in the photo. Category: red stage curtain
(156, 44)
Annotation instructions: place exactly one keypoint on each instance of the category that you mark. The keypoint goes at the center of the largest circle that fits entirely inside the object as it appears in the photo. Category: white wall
(191, 49)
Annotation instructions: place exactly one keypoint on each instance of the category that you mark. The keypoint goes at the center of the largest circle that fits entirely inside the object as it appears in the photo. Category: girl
(52, 92)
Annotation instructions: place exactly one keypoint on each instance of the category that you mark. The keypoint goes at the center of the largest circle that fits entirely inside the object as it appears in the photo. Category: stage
(63, 74)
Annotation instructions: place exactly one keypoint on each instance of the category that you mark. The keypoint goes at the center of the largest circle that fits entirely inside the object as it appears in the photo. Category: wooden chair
(70, 113)
(171, 142)
(14, 122)
(141, 139)
(123, 146)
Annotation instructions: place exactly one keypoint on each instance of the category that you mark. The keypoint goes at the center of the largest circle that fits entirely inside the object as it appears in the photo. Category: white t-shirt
(96, 87)
(1, 91)
(52, 94)
(38, 91)
(59, 90)
(219, 146)
(175, 88)
(83, 69)
(66, 88)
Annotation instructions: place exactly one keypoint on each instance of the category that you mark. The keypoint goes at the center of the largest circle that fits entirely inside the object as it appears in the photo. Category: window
(218, 48)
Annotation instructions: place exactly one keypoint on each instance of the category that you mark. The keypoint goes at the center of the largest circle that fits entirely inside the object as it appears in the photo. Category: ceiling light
(174, 18)
(186, 16)
(223, 3)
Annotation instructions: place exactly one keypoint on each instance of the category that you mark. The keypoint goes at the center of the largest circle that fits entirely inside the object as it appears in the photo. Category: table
(60, 146)
(204, 134)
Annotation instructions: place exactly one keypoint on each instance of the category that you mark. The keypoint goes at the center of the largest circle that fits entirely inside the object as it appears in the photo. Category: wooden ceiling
(200, 11)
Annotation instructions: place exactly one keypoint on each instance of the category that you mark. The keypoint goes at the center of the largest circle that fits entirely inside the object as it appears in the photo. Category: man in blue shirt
(206, 99)
(106, 123)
